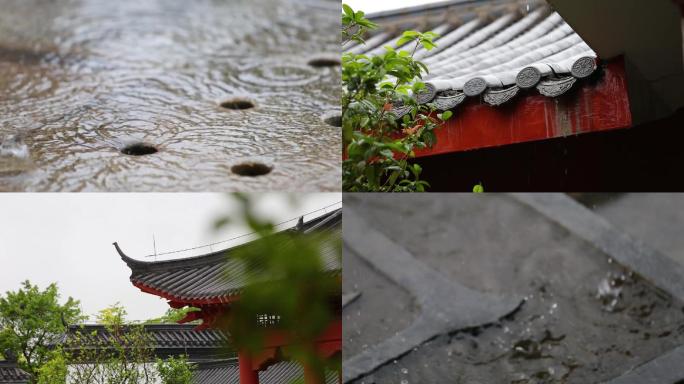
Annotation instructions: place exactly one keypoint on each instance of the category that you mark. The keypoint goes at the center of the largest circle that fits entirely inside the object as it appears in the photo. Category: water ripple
(85, 78)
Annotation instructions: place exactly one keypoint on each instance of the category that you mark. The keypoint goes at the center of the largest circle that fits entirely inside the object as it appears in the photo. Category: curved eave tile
(551, 86)
(501, 55)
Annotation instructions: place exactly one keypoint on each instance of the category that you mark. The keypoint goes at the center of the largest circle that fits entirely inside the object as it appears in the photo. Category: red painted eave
(183, 301)
(591, 106)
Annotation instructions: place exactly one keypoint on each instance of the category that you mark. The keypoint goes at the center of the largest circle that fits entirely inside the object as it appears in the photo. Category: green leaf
(348, 10)
(411, 34)
(479, 188)
(404, 40)
(387, 153)
(446, 115)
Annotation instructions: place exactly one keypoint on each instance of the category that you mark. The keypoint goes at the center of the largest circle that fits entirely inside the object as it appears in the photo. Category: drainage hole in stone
(139, 149)
(238, 104)
(324, 62)
(251, 169)
(334, 120)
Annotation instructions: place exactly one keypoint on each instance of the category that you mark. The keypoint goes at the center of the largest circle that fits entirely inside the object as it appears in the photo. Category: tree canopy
(30, 318)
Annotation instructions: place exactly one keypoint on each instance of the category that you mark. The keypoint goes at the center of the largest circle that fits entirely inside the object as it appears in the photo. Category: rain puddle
(169, 95)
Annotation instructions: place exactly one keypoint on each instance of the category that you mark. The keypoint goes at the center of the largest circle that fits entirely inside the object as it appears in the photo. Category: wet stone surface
(364, 327)
(80, 78)
(585, 320)
(656, 218)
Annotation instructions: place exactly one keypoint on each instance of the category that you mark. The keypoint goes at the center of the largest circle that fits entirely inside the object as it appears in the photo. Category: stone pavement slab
(586, 318)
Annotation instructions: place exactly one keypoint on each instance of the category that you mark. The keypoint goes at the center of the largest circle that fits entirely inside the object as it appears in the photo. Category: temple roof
(167, 340)
(203, 279)
(490, 49)
(10, 373)
(208, 349)
(227, 372)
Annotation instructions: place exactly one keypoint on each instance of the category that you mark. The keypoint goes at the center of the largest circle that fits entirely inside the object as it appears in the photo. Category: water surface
(81, 80)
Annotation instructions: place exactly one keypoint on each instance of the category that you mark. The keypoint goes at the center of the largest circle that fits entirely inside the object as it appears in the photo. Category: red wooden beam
(590, 107)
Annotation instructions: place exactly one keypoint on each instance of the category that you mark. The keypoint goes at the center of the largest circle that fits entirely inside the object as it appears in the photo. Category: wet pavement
(169, 95)
(586, 318)
(656, 218)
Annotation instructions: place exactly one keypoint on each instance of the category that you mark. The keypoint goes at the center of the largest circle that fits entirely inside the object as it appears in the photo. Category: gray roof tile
(10, 373)
(227, 372)
(494, 50)
(166, 339)
(203, 278)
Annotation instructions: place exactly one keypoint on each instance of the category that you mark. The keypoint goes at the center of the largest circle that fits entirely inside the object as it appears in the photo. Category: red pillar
(247, 374)
(312, 376)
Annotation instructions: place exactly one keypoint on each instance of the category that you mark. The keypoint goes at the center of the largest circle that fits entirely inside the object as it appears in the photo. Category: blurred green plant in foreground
(288, 287)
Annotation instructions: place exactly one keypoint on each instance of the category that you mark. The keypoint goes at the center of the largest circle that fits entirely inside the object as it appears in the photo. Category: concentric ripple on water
(83, 80)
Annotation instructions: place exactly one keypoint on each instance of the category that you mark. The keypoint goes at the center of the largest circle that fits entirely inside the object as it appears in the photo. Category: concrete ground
(655, 218)
(585, 317)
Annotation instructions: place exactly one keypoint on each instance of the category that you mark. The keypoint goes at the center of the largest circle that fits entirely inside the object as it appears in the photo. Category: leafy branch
(379, 146)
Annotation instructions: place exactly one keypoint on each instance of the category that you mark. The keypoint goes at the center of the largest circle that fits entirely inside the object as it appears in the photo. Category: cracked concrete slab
(655, 218)
(666, 369)
(630, 252)
(446, 305)
(364, 327)
(587, 319)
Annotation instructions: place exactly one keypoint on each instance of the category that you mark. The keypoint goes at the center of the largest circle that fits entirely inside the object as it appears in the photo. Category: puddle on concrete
(586, 319)
(79, 76)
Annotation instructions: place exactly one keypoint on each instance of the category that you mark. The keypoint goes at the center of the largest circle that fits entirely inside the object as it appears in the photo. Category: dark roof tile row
(216, 277)
(166, 339)
(227, 372)
(10, 373)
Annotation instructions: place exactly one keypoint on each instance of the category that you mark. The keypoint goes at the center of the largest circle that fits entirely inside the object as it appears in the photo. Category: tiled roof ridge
(147, 327)
(10, 372)
(138, 266)
(497, 56)
(218, 363)
(475, 6)
(164, 336)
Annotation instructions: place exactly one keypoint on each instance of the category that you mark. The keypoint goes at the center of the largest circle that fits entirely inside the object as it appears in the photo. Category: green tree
(175, 370)
(378, 146)
(174, 315)
(55, 370)
(125, 356)
(30, 319)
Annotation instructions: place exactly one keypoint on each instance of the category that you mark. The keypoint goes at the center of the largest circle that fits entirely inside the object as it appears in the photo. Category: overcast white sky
(370, 6)
(67, 238)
